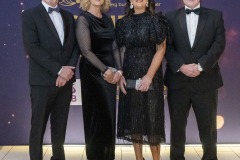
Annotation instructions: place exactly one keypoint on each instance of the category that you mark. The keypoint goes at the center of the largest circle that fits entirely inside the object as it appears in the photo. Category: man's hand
(60, 81)
(67, 72)
(190, 70)
(196, 70)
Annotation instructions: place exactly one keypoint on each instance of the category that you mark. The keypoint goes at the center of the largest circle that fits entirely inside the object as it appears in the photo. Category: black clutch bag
(133, 84)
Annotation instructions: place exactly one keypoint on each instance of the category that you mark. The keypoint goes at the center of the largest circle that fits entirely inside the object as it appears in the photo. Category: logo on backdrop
(69, 2)
(76, 93)
(113, 4)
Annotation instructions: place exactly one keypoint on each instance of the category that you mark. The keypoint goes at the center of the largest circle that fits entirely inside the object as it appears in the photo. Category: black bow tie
(50, 10)
(196, 11)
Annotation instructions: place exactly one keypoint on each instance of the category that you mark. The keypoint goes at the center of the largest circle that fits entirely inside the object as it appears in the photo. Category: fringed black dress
(141, 114)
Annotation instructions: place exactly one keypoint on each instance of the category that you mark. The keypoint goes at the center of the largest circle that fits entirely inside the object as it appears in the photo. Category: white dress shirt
(57, 21)
(192, 22)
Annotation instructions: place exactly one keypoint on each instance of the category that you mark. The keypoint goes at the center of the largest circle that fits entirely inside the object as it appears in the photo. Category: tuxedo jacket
(207, 48)
(41, 41)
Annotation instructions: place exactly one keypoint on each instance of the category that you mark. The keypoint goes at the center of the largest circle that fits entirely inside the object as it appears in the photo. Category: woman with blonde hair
(99, 74)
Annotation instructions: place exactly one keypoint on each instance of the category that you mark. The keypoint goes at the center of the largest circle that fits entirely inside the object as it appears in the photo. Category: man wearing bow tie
(193, 75)
(49, 40)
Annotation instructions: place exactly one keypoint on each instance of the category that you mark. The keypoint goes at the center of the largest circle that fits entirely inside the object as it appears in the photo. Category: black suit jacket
(207, 48)
(46, 53)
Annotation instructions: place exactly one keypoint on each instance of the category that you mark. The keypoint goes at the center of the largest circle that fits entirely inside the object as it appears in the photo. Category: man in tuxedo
(49, 40)
(193, 75)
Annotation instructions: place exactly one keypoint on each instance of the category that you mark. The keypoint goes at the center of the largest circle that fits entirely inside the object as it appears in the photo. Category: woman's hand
(118, 74)
(144, 84)
(122, 83)
(108, 75)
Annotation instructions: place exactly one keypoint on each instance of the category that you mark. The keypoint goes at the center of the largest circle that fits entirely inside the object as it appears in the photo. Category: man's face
(52, 3)
(191, 3)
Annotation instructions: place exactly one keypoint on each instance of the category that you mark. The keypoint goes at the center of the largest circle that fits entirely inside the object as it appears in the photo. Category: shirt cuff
(200, 67)
(60, 71)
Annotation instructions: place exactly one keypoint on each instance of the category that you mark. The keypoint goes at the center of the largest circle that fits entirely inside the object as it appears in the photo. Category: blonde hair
(85, 5)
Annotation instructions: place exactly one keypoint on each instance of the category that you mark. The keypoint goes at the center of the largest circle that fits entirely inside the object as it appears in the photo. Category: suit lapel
(49, 22)
(66, 25)
(201, 23)
(183, 24)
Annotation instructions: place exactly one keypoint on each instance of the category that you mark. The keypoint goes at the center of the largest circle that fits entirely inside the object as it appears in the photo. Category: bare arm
(156, 62)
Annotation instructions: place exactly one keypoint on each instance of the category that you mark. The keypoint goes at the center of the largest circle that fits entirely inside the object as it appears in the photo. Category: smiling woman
(141, 36)
(95, 34)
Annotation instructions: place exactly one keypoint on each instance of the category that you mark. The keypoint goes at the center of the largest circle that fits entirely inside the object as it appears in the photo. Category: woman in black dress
(95, 35)
(141, 111)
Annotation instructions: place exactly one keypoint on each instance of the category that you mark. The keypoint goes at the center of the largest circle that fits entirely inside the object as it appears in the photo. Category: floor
(123, 152)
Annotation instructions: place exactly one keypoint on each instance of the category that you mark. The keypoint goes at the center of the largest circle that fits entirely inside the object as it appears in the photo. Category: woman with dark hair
(141, 37)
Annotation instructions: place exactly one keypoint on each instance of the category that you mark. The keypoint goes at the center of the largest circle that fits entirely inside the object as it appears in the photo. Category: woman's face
(139, 4)
(97, 2)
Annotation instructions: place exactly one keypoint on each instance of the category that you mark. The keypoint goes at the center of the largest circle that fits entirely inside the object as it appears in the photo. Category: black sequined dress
(141, 114)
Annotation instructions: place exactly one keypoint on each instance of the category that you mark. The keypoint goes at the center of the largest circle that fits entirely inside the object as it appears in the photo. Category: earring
(131, 6)
(147, 4)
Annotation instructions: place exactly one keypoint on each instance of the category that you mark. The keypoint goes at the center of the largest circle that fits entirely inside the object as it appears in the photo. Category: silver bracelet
(120, 72)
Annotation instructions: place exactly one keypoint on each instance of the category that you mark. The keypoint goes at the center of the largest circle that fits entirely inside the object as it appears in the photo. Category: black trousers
(53, 102)
(205, 108)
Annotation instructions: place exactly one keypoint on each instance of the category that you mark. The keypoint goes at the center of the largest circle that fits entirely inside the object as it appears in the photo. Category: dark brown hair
(149, 9)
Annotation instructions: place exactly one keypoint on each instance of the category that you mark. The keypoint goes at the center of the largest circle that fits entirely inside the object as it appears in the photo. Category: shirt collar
(46, 6)
(198, 6)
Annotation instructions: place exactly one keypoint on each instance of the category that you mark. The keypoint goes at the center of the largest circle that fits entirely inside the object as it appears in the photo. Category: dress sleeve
(161, 29)
(164, 23)
(119, 32)
(117, 56)
(84, 41)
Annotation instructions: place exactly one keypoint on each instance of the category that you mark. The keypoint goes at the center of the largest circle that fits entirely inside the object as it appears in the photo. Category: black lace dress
(141, 114)
(96, 40)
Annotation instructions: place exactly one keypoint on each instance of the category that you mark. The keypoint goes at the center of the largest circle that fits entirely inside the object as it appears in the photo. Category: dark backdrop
(15, 112)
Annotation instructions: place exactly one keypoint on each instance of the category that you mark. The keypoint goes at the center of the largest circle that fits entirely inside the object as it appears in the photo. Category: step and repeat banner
(15, 109)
